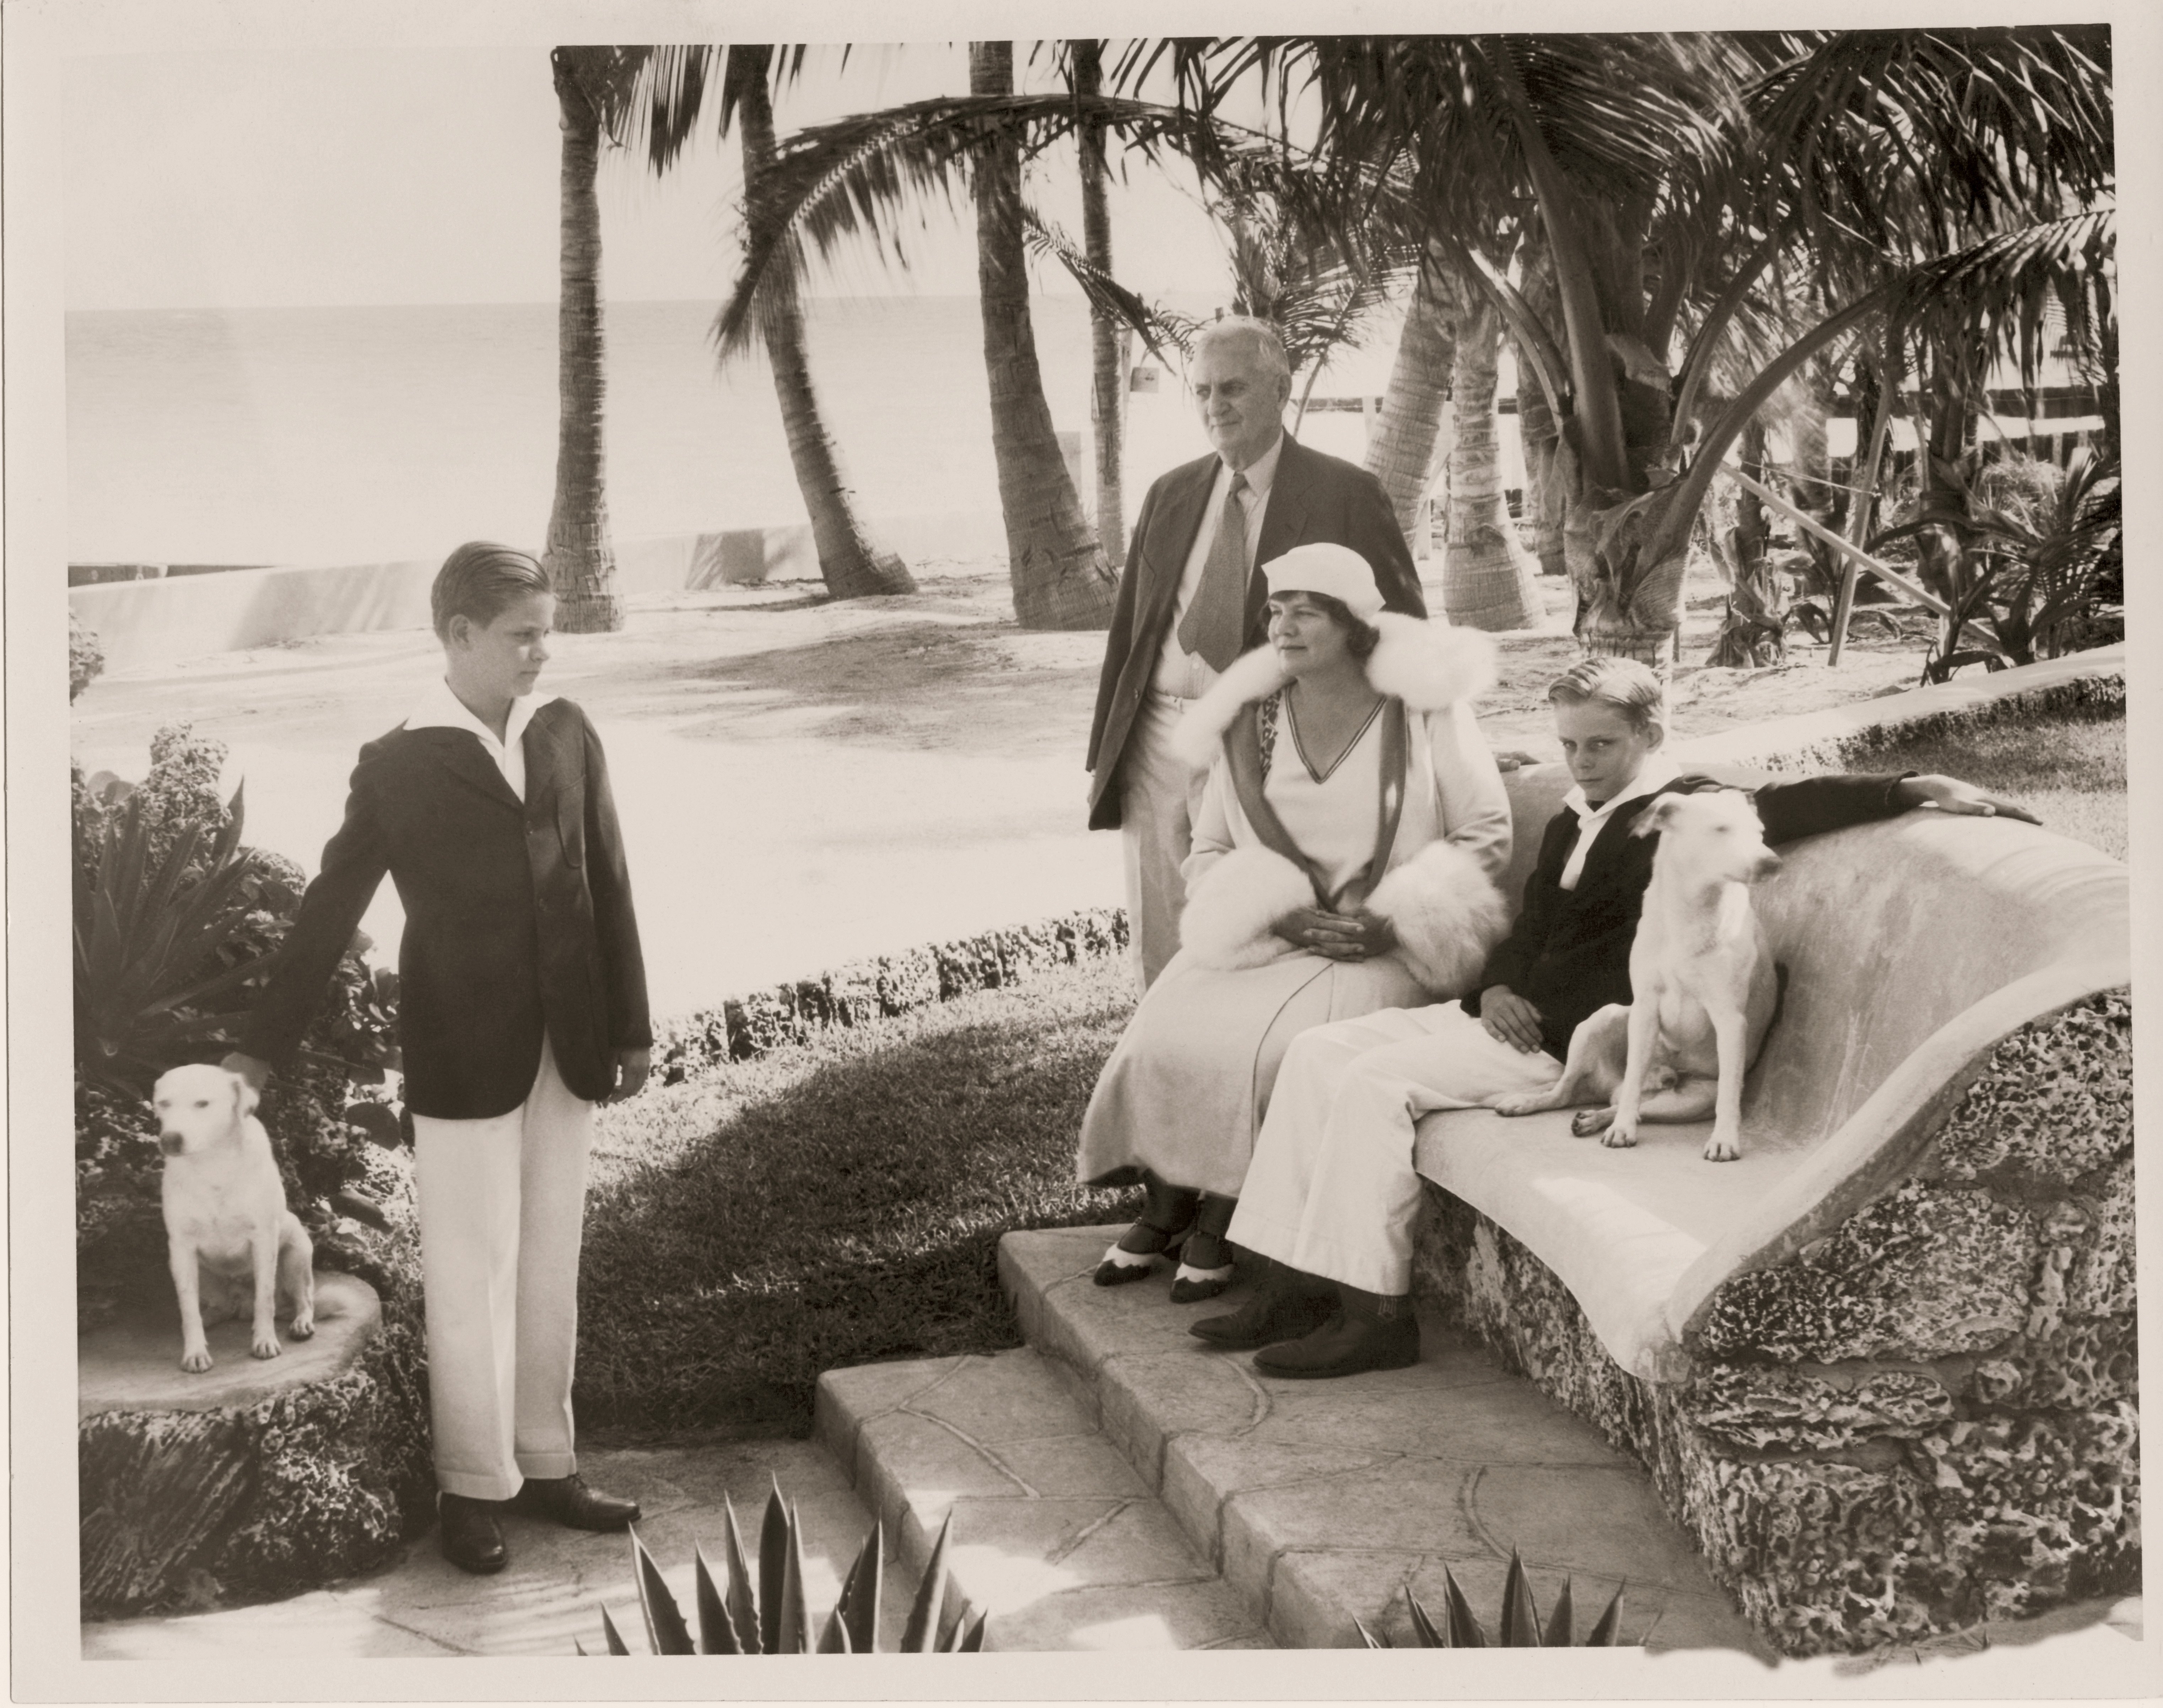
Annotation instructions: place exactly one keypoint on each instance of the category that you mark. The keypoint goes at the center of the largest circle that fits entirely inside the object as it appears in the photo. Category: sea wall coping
(165, 620)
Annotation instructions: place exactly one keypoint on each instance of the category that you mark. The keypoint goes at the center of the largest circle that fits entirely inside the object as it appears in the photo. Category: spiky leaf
(1424, 1627)
(743, 1606)
(614, 1637)
(795, 1612)
(1560, 1633)
(859, 1605)
(1368, 1636)
(834, 1639)
(1464, 1631)
(717, 1635)
(666, 1634)
(1520, 1619)
(1607, 1630)
(773, 1570)
(973, 1643)
(922, 1629)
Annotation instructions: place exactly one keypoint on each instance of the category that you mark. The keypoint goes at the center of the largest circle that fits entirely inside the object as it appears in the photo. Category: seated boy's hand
(632, 1067)
(1949, 794)
(1511, 1019)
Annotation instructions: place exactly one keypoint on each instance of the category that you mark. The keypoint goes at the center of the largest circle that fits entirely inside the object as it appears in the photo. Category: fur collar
(1429, 665)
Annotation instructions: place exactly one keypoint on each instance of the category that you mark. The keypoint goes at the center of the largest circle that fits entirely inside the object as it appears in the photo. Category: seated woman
(1330, 1198)
(1344, 858)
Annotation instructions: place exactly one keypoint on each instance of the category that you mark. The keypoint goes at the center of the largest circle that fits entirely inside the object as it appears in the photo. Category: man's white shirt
(439, 709)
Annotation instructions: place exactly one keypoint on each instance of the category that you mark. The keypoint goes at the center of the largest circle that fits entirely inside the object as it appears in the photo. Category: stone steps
(1055, 1534)
(1320, 1502)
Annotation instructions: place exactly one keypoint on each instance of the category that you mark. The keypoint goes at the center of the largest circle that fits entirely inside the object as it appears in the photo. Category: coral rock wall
(1926, 1419)
(188, 1509)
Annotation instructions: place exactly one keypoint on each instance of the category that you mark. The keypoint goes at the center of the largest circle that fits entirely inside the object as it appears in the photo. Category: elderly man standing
(1190, 602)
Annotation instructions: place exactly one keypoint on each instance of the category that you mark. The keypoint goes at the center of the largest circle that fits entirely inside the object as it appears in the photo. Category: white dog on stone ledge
(225, 1218)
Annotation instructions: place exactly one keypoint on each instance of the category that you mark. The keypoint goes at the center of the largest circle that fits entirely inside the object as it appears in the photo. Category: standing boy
(522, 1004)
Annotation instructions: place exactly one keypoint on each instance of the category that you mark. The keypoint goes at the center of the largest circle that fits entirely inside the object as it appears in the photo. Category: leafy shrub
(177, 927)
(86, 656)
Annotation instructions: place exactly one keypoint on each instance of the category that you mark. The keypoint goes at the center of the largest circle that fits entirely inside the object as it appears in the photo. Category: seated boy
(522, 1003)
(1331, 1193)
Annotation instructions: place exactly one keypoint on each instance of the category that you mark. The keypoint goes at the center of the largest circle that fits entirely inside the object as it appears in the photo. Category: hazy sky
(315, 176)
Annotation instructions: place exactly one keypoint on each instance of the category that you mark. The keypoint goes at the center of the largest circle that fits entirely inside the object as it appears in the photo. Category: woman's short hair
(1360, 638)
(1245, 328)
(1632, 688)
(479, 580)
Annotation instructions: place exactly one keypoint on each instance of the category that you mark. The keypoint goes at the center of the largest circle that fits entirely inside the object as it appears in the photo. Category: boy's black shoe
(569, 1501)
(471, 1540)
(1370, 1331)
(1283, 1305)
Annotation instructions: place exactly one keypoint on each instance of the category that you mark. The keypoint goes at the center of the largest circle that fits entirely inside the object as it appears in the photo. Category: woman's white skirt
(1185, 1091)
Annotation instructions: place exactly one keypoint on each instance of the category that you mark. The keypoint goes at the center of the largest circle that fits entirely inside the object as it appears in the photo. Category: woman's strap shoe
(570, 1502)
(471, 1540)
(1191, 1285)
(1132, 1256)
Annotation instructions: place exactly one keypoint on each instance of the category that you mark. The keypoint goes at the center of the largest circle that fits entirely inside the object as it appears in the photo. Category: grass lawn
(835, 1202)
(840, 1202)
(2070, 772)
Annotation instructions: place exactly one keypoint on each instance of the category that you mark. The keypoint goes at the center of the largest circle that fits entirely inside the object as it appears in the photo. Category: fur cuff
(1447, 915)
(1429, 665)
(1229, 910)
(1250, 676)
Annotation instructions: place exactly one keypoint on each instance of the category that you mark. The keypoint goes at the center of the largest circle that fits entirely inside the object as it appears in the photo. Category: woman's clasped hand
(1358, 935)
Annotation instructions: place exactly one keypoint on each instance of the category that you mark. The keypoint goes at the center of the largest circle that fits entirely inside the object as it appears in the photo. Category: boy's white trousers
(1331, 1189)
(502, 1207)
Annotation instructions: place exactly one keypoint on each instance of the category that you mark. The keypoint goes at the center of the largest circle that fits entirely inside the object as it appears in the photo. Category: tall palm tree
(591, 86)
(1490, 580)
(1107, 371)
(853, 561)
(1402, 451)
(1059, 573)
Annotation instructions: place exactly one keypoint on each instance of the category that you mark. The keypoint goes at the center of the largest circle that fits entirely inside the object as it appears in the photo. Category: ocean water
(314, 436)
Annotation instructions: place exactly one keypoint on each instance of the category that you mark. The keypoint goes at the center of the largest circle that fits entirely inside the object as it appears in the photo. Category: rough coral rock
(2054, 1101)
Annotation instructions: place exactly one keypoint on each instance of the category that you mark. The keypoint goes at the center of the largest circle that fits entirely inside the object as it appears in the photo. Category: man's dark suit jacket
(1314, 499)
(1569, 953)
(518, 917)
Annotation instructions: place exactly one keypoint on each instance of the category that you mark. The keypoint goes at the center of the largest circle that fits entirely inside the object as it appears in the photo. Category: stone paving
(1323, 1501)
(550, 1593)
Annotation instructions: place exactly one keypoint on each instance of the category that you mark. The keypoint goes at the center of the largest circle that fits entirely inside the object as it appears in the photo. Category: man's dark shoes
(1283, 1306)
(471, 1540)
(1369, 1331)
(569, 1501)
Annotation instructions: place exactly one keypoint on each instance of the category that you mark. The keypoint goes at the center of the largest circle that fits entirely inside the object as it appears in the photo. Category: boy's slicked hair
(1632, 688)
(479, 580)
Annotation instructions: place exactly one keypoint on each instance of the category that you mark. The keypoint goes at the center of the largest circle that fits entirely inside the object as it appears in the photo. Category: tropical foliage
(86, 656)
(177, 925)
(1518, 1624)
(770, 1615)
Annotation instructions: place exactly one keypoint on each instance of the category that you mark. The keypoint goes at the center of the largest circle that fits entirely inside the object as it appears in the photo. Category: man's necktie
(1215, 625)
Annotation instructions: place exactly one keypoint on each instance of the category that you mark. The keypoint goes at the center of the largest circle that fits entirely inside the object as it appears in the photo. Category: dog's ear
(244, 1098)
(1655, 818)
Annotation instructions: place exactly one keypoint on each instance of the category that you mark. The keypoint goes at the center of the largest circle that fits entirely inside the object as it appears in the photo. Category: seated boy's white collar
(439, 709)
(1655, 774)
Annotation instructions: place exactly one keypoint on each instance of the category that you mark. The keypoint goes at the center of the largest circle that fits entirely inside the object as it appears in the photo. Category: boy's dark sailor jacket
(1569, 953)
(518, 916)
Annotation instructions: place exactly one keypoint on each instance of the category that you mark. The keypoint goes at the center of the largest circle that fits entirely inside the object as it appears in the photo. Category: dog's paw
(302, 1327)
(1618, 1137)
(1719, 1150)
(266, 1346)
(195, 1359)
(1518, 1103)
(1587, 1122)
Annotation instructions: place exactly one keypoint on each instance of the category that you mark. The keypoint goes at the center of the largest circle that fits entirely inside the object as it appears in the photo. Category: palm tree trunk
(853, 562)
(1107, 397)
(1060, 577)
(1402, 452)
(578, 557)
(1490, 580)
(1546, 483)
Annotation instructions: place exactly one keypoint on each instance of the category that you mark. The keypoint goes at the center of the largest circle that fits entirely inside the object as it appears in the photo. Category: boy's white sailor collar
(439, 709)
(1655, 774)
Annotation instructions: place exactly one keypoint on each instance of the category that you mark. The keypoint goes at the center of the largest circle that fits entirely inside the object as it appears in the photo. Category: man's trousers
(1331, 1189)
(502, 1208)
(1159, 800)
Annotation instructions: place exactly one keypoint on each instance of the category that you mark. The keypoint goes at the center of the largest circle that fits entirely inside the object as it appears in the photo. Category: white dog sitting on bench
(1703, 986)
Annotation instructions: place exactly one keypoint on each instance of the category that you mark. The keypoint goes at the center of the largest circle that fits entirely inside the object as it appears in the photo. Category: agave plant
(1520, 1626)
(774, 1617)
(150, 936)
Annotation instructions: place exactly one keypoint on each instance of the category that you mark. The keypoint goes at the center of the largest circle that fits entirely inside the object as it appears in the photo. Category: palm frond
(1156, 328)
